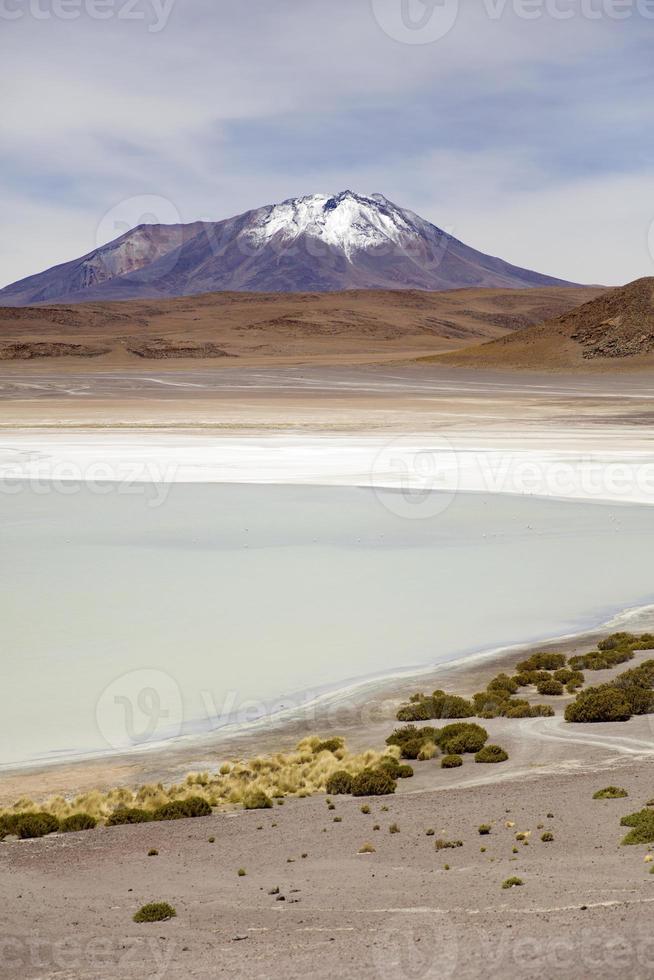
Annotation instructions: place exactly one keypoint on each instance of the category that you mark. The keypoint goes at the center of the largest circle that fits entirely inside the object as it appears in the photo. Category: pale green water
(263, 592)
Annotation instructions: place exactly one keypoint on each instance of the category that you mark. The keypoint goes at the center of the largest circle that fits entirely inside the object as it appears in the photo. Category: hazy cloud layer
(528, 138)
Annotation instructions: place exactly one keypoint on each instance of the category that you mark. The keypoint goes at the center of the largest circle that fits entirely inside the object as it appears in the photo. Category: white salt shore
(566, 465)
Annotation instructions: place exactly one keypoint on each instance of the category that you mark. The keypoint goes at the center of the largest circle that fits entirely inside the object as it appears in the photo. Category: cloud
(237, 103)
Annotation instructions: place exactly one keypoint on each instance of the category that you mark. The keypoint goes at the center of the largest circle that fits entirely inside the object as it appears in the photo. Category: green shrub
(541, 711)
(462, 737)
(610, 793)
(129, 815)
(550, 687)
(598, 704)
(78, 821)
(503, 683)
(512, 883)
(520, 710)
(403, 772)
(543, 661)
(390, 764)
(439, 705)
(642, 824)
(194, 806)
(410, 733)
(241, 872)
(256, 799)
(26, 825)
(484, 829)
(491, 753)
(451, 762)
(329, 745)
(418, 711)
(547, 837)
(640, 702)
(339, 783)
(155, 912)
(411, 749)
(373, 782)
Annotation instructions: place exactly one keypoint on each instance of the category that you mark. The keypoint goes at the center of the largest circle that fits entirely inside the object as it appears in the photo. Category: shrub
(329, 745)
(550, 687)
(410, 733)
(543, 661)
(393, 829)
(194, 806)
(367, 849)
(26, 825)
(129, 815)
(427, 752)
(412, 748)
(418, 711)
(403, 772)
(78, 821)
(451, 762)
(512, 883)
(484, 829)
(241, 872)
(155, 912)
(153, 852)
(491, 753)
(439, 705)
(541, 711)
(503, 683)
(547, 837)
(442, 845)
(610, 793)
(598, 704)
(462, 737)
(642, 824)
(339, 783)
(373, 782)
(365, 808)
(640, 702)
(197, 806)
(256, 799)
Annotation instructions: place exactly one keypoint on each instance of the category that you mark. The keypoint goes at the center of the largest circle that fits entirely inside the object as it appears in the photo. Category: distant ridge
(319, 243)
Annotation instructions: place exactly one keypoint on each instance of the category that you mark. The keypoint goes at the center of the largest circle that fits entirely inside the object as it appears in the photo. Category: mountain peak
(315, 243)
(347, 221)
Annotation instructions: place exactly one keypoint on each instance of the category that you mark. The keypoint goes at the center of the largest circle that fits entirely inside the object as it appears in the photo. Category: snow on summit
(347, 221)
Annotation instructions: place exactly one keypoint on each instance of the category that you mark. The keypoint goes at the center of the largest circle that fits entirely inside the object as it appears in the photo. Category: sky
(523, 127)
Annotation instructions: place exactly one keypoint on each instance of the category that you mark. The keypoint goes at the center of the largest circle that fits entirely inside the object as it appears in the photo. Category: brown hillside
(612, 330)
(356, 326)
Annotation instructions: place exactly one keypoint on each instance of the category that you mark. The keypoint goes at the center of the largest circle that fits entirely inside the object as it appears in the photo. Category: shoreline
(554, 464)
(363, 712)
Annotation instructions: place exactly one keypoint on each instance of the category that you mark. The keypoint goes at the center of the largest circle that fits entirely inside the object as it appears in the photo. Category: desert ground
(274, 328)
(310, 901)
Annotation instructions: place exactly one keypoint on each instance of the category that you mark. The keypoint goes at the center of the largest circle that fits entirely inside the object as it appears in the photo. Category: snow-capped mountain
(317, 243)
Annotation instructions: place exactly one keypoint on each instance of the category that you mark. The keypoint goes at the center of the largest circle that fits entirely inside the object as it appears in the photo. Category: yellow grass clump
(300, 773)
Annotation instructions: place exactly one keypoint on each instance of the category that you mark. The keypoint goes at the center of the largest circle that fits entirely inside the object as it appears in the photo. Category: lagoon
(131, 616)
